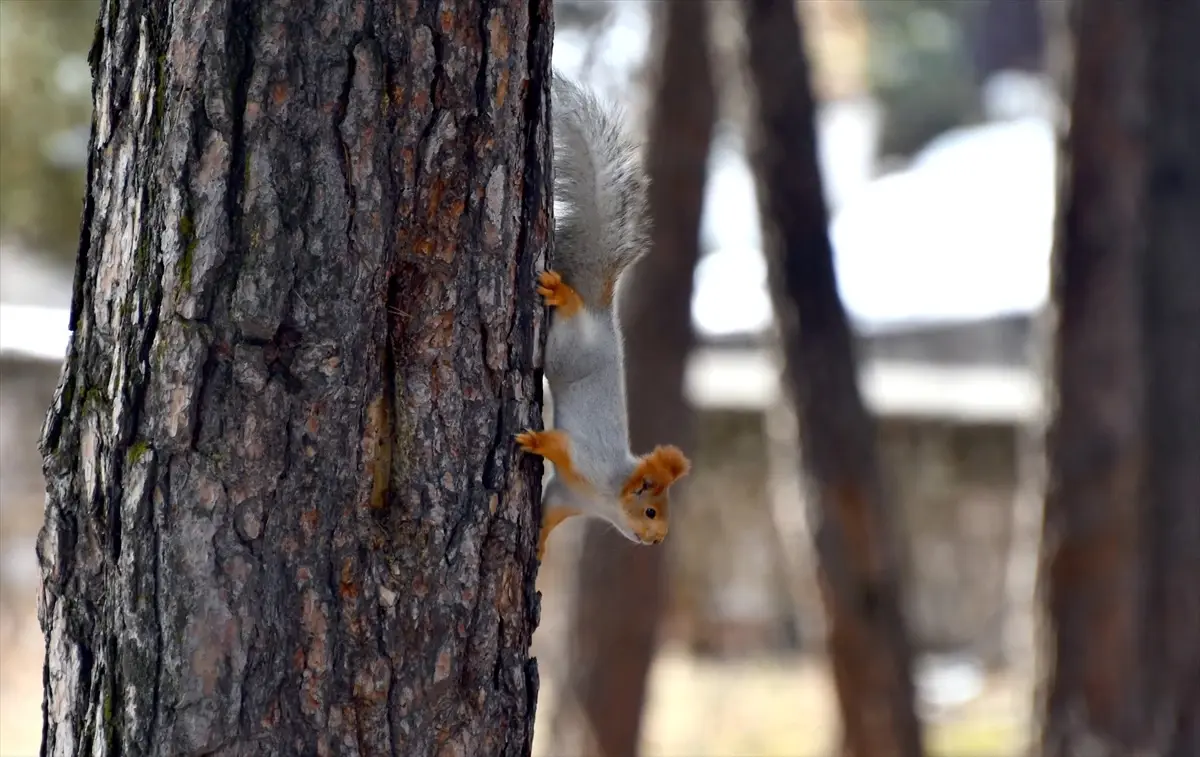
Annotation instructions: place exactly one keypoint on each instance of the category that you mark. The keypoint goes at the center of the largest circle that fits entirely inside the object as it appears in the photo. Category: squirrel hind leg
(558, 294)
(552, 516)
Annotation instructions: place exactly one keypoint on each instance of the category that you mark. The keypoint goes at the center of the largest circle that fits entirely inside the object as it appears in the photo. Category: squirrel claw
(555, 446)
(546, 444)
(557, 293)
(550, 286)
(527, 440)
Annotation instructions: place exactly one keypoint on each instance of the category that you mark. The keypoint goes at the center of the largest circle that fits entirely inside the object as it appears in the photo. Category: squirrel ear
(656, 471)
(668, 464)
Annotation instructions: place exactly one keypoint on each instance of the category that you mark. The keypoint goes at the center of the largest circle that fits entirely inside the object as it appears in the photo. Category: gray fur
(600, 191)
(601, 229)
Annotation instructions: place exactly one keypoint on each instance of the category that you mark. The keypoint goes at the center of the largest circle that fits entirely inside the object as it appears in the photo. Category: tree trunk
(856, 543)
(1171, 339)
(619, 590)
(1095, 439)
(285, 515)
(1122, 523)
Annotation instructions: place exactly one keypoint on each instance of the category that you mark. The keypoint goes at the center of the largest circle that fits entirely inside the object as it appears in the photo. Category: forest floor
(21, 652)
(785, 707)
(772, 707)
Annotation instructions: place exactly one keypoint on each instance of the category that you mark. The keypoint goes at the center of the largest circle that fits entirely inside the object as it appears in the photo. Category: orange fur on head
(659, 469)
(644, 497)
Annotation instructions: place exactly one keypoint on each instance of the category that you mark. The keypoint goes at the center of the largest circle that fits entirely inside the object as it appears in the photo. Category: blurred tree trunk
(1120, 565)
(285, 515)
(1095, 451)
(619, 591)
(1171, 334)
(857, 547)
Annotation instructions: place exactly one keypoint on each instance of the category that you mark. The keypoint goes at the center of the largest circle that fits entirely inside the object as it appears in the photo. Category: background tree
(1171, 323)
(285, 514)
(1095, 450)
(1094, 445)
(619, 592)
(856, 543)
(1120, 564)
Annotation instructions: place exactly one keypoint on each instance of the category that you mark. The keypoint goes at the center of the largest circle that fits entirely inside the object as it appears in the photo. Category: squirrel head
(645, 500)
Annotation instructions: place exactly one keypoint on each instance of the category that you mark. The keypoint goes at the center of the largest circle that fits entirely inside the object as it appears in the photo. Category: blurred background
(936, 136)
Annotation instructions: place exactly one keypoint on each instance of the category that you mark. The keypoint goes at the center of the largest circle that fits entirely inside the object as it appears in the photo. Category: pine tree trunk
(1171, 334)
(285, 515)
(1095, 454)
(856, 543)
(1121, 565)
(619, 592)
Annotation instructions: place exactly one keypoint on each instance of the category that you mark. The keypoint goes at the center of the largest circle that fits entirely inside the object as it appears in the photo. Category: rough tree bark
(285, 515)
(856, 543)
(619, 591)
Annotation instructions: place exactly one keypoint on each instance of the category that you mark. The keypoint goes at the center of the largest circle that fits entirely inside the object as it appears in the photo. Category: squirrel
(601, 229)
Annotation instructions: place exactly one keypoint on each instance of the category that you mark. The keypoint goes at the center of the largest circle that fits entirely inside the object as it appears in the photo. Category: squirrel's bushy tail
(601, 220)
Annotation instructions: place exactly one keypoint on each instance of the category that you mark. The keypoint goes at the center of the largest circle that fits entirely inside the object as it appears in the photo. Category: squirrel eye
(651, 513)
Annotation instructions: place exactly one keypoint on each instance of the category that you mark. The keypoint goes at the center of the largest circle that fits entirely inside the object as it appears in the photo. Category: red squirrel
(601, 228)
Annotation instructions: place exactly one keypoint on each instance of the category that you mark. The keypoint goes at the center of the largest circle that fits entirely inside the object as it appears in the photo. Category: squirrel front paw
(553, 445)
(548, 444)
(558, 294)
(528, 442)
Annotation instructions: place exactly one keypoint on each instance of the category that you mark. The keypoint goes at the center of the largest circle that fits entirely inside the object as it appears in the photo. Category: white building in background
(960, 237)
